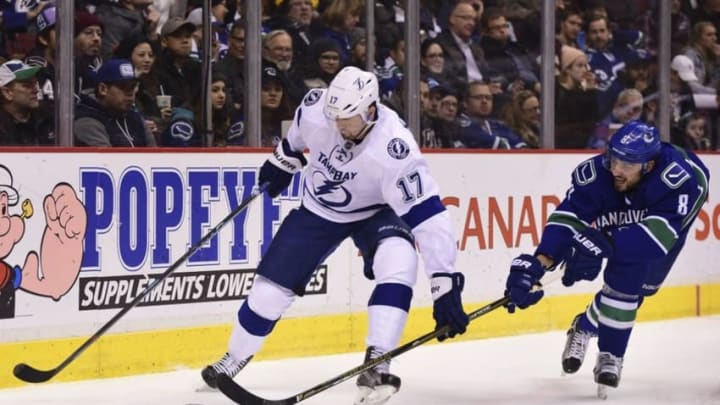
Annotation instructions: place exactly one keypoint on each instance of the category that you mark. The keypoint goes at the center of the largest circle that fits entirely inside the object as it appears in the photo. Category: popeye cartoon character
(53, 271)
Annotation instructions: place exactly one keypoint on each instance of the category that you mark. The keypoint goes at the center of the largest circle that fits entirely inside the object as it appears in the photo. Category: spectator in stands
(571, 20)
(275, 109)
(682, 80)
(88, 42)
(278, 49)
(695, 133)
(232, 65)
(628, 107)
(606, 57)
(43, 56)
(339, 18)
(432, 60)
(107, 117)
(390, 74)
(124, 19)
(680, 27)
(576, 111)
(358, 48)
(479, 128)
(427, 138)
(18, 14)
(177, 72)
(464, 58)
(21, 121)
(704, 51)
(505, 56)
(296, 17)
(323, 63)
(275, 106)
(447, 129)
(139, 50)
(216, 30)
(706, 10)
(522, 115)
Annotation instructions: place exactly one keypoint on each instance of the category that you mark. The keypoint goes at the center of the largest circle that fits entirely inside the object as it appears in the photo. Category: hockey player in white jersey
(364, 178)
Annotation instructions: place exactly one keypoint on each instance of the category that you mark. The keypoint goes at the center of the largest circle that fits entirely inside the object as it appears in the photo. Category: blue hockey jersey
(644, 223)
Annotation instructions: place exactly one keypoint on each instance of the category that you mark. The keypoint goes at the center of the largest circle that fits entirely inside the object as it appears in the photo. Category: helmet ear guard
(634, 142)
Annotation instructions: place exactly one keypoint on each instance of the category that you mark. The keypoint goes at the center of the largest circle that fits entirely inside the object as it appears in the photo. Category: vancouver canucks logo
(398, 149)
(330, 193)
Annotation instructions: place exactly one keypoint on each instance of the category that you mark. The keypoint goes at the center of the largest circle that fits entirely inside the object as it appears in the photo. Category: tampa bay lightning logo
(329, 192)
(312, 97)
(398, 149)
(341, 154)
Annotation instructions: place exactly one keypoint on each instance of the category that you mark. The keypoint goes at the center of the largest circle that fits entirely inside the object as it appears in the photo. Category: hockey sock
(257, 317)
(617, 315)
(387, 313)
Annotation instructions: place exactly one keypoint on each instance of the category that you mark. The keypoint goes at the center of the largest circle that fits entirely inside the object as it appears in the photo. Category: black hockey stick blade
(28, 373)
(242, 396)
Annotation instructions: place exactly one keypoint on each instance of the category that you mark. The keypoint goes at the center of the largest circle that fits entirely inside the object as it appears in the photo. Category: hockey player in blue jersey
(642, 195)
(364, 178)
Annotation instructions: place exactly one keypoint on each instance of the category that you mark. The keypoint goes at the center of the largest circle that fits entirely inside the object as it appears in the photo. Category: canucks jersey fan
(642, 196)
(364, 178)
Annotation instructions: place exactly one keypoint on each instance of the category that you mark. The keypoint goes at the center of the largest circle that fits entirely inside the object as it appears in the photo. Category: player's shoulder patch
(585, 173)
(398, 149)
(312, 97)
(674, 175)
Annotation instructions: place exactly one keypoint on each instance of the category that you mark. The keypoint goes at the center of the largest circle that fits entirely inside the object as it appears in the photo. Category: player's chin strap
(369, 124)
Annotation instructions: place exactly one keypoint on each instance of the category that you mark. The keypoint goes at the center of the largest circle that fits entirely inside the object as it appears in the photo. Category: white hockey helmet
(351, 93)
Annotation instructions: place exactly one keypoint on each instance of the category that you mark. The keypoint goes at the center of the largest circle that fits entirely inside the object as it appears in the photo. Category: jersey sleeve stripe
(703, 187)
(423, 211)
(568, 220)
(659, 234)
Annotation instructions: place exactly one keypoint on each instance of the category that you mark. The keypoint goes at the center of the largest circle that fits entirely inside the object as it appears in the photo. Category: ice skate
(607, 372)
(377, 385)
(575, 347)
(227, 365)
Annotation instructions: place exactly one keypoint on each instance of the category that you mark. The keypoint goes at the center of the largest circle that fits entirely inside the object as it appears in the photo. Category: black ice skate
(575, 346)
(607, 372)
(376, 385)
(227, 365)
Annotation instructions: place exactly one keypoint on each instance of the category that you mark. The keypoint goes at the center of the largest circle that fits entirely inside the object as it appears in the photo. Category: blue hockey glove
(447, 306)
(279, 169)
(525, 272)
(584, 257)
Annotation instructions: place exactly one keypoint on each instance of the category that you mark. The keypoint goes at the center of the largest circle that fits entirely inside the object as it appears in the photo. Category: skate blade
(602, 391)
(205, 388)
(378, 396)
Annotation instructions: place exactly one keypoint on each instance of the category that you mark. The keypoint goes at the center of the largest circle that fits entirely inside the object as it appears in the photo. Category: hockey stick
(30, 374)
(242, 396)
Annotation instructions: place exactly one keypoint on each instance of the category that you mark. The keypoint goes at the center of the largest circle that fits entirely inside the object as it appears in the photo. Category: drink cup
(163, 101)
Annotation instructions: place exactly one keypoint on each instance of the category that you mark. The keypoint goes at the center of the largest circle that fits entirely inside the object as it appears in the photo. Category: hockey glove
(525, 272)
(584, 258)
(447, 306)
(279, 169)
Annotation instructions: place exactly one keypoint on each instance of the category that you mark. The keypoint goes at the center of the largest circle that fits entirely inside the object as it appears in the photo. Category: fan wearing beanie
(576, 108)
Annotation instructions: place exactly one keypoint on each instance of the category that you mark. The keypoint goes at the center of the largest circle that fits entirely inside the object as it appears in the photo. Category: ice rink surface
(670, 362)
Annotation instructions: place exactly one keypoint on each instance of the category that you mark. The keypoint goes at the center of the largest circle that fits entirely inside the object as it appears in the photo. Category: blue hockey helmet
(634, 142)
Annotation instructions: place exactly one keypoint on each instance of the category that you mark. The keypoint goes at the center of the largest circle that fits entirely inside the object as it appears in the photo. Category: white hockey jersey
(344, 182)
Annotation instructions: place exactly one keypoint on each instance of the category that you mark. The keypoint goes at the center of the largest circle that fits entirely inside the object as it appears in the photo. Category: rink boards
(144, 210)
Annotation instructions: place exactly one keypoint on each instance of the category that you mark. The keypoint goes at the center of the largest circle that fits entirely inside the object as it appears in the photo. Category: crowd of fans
(137, 69)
